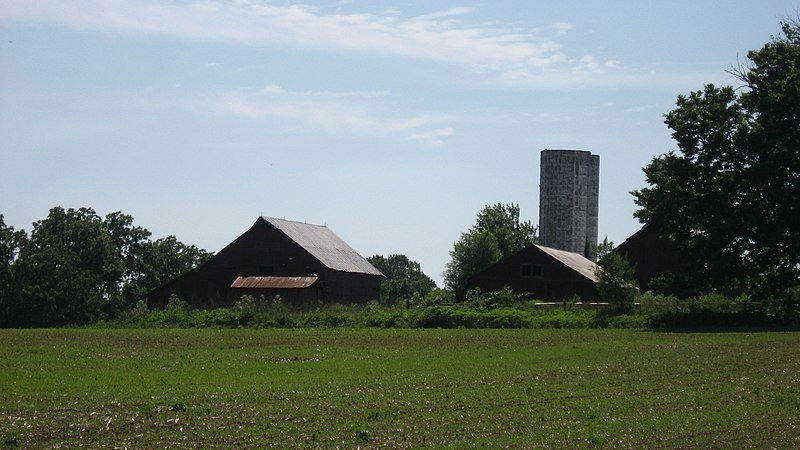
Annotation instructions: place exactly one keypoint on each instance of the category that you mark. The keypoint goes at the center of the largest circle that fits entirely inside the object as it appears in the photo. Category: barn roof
(575, 261)
(324, 245)
(273, 282)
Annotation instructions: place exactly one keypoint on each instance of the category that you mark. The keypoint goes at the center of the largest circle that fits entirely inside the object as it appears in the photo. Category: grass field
(398, 388)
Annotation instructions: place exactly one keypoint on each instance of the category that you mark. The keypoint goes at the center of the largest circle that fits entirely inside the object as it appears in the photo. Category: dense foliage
(501, 309)
(404, 279)
(496, 234)
(615, 282)
(730, 199)
(77, 268)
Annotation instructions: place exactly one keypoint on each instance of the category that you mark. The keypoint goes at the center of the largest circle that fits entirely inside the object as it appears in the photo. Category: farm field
(398, 388)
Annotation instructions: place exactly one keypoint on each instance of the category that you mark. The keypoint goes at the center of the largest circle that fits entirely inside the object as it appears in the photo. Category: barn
(649, 254)
(542, 273)
(307, 265)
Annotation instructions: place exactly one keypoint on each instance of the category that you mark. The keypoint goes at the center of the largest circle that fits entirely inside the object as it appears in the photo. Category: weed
(361, 432)
(375, 415)
(590, 411)
(147, 411)
(11, 439)
(178, 407)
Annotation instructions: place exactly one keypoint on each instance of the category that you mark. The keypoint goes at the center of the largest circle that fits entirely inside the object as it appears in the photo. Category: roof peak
(272, 219)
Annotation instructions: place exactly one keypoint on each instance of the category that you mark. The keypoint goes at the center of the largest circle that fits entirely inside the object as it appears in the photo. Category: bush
(786, 307)
(504, 298)
(651, 303)
(563, 319)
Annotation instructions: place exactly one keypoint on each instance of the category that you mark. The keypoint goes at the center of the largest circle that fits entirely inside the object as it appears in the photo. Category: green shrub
(785, 307)
(439, 297)
(651, 303)
(562, 319)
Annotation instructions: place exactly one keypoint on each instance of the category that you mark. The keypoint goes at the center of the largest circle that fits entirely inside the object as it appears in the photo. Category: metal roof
(577, 262)
(324, 245)
(273, 282)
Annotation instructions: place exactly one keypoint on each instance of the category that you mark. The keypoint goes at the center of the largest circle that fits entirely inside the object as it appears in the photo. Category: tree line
(76, 267)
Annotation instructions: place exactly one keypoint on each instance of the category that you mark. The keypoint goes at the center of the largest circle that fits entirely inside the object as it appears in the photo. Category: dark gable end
(649, 254)
(277, 248)
(541, 273)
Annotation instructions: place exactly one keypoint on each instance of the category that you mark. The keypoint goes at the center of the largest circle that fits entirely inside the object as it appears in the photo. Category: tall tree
(404, 279)
(496, 234)
(129, 242)
(10, 243)
(730, 198)
(65, 271)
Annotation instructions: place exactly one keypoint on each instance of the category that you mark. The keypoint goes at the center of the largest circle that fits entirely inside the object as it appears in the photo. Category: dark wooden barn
(649, 254)
(541, 273)
(305, 264)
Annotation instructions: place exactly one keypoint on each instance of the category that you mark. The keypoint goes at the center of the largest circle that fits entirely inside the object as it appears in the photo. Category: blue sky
(391, 122)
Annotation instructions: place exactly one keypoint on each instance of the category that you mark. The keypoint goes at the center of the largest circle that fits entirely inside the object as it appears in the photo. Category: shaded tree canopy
(729, 198)
(496, 234)
(10, 243)
(615, 282)
(404, 279)
(77, 267)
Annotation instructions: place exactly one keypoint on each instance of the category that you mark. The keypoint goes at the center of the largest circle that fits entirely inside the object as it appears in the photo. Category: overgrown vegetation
(500, 309)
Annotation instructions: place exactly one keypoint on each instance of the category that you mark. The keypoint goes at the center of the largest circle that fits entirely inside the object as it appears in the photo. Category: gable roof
(575, 261)
(324, 245)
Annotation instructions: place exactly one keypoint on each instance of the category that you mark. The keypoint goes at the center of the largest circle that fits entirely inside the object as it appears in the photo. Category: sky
(391, 122)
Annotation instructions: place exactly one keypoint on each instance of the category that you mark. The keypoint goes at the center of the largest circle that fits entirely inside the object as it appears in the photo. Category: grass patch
(398, 388)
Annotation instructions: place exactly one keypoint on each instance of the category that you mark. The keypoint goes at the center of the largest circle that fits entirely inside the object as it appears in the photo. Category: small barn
(541, 273)
(307, 265)
(649, 254)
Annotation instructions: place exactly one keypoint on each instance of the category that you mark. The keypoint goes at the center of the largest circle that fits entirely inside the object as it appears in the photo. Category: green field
(398, 388)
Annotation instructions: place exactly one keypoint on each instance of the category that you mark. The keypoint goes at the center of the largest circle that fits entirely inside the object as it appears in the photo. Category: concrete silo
(568, 200)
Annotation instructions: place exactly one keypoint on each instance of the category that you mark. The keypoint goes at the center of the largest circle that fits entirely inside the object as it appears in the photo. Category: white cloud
(562, 28)
(272, 89)
(327, 111)
(440, 36)
(433, 137)
(501, 55)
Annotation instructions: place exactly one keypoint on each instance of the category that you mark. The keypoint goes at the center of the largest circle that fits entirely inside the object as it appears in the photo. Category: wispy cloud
(440, 36)
(562, 28)
(433, 137)
(329, 111)
(499, 54)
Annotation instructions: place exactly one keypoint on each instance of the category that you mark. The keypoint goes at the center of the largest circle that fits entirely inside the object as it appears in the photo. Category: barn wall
(556, 281)
(649, 254)
(350, 288)
(263, 250)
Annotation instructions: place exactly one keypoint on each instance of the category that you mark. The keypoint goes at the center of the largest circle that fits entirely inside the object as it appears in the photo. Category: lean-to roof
(273, 282)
